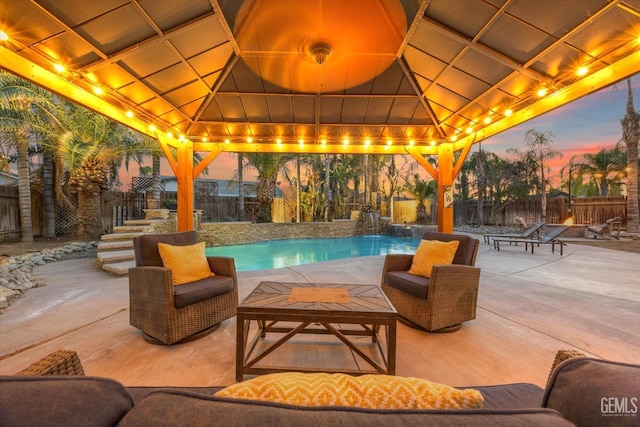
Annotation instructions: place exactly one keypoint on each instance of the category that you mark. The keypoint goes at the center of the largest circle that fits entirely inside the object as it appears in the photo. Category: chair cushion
(409, 283)
(187, 263)
(465, 252)
(430, 253)
(366, 391)
(200, 290)
(146, 246)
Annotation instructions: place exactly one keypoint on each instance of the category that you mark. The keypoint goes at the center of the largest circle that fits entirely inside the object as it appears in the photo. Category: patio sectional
(581, 391)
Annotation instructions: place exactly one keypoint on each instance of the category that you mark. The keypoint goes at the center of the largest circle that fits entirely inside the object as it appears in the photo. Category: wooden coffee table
(342, 310)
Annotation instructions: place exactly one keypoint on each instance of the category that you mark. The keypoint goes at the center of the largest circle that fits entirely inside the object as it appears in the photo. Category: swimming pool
(287, 253)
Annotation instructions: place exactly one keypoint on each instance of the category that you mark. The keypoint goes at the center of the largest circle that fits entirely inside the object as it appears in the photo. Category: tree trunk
(630, 135)
(421, 213)
(265, 191)
(240, 187)
(89, 225)
(298, 189)
(155, 182)
(24, 189)
(327, 188)
(49, 229)
(482, 182)
(543, 185)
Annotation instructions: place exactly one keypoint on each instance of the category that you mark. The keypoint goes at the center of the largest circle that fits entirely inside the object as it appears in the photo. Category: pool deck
(529, 306)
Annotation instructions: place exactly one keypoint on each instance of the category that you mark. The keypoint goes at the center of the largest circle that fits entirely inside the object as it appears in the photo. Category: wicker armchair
(168, 315)
(60, 362)
(439, 303)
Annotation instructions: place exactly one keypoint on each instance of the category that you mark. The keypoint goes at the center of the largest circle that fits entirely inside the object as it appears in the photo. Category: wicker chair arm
(61, 362)
(453, 277)
(224, 266)
(152, 282)
(397, 262)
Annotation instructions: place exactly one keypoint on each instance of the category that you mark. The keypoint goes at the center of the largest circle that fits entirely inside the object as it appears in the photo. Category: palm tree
(268, 166)
(539, 144)
(27, 116)
(90, 147)
(630, 135)
(599, 166)
(422, 190)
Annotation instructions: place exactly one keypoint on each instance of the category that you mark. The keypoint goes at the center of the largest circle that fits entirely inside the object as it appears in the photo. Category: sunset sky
(583, 126)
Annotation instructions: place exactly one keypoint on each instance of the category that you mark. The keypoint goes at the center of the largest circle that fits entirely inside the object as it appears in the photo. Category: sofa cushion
(366, 391)
(510, 396)
(182, 408)
(62, 401)
(200, 290)
(593, 392)
(430, 253)
(417, 286)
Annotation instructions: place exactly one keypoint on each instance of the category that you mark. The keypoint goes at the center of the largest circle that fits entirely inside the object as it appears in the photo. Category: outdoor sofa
(574, 395)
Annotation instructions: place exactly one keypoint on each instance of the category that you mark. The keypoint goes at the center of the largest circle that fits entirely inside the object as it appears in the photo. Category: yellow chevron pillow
(366, 391)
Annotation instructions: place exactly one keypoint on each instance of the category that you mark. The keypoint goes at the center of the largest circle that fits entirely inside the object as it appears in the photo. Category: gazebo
(425, 78)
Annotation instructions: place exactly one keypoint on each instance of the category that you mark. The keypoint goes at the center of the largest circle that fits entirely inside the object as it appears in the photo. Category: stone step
(140, 221)
(119, 268)
(111, 257)
(119, 236)
(142, 228)
(115, 245)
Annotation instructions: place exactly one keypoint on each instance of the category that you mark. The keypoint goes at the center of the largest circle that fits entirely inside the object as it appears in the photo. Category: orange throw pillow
(187, 263)
(430, 253)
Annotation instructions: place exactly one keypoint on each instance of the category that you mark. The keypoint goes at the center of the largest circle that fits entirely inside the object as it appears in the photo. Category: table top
(276, 295)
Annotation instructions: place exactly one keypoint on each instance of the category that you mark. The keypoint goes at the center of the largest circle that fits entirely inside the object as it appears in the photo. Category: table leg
(391, 347)
(241, 337)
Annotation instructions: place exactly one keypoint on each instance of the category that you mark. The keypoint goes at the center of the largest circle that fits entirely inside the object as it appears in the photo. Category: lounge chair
(532, 231)
(605, 229)
(550, 238)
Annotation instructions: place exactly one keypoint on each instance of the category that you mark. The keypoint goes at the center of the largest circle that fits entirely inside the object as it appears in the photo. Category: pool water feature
(288, 253)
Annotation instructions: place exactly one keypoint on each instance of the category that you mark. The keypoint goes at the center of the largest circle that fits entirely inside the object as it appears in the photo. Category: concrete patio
(529, 306)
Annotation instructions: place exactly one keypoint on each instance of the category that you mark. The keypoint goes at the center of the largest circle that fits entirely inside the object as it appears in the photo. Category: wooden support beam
(445, 187)
(184, 177)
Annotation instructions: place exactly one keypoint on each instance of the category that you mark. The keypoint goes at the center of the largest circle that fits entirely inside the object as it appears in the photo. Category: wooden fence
(9, 214)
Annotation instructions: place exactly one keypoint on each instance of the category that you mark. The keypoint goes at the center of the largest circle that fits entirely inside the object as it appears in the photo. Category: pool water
(288, 253)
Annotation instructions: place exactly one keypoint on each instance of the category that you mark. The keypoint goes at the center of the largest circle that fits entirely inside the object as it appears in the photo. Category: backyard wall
(238, 233)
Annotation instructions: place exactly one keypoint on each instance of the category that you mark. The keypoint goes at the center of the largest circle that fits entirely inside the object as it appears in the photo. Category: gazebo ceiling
(378, 72)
